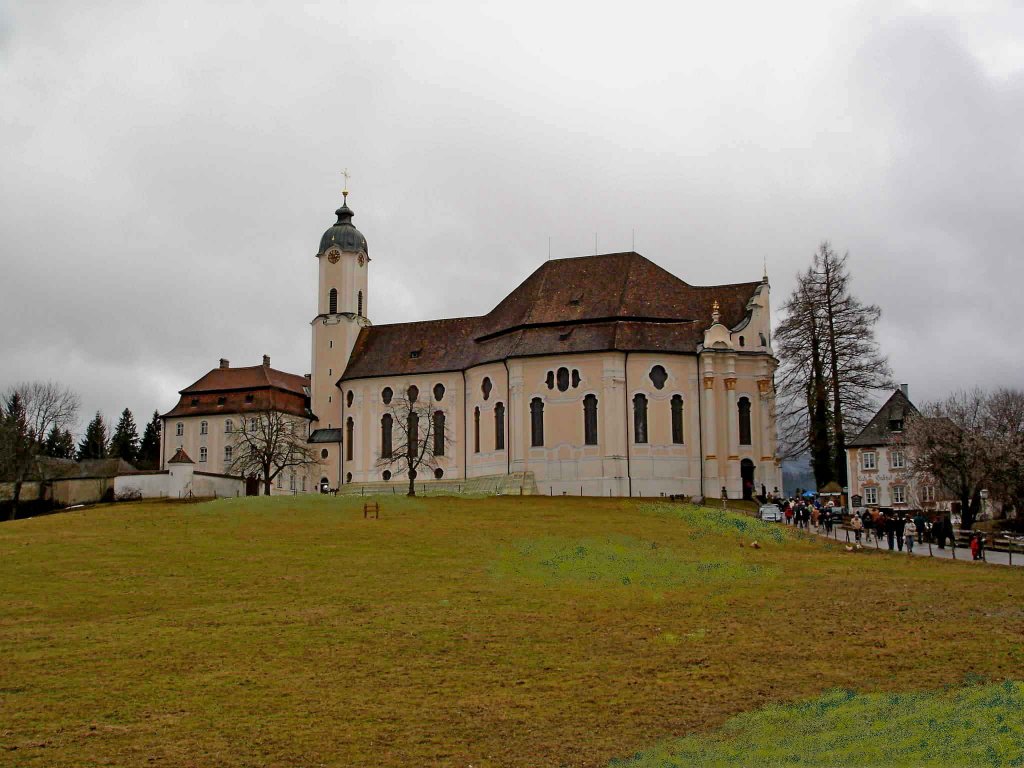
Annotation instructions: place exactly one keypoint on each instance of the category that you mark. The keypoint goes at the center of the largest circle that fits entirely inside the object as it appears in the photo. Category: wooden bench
(371, 507)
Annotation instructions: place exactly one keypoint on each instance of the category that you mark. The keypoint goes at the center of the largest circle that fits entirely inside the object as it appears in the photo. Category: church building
(600, 375)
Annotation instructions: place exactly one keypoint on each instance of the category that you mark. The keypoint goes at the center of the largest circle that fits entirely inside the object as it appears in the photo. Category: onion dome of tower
(343, 233)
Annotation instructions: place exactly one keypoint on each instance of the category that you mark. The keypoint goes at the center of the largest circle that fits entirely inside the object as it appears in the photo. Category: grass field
(482, 632)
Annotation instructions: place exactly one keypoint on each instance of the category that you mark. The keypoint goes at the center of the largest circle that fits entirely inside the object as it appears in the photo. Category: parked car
(770, 513)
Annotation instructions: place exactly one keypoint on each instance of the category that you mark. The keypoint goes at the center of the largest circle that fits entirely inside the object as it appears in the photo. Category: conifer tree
(125, 442)
(149, 449)
(59, 444)
(94, 444)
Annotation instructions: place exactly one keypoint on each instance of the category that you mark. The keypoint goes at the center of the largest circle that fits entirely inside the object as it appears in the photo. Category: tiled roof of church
(253, 388)
(619, 301)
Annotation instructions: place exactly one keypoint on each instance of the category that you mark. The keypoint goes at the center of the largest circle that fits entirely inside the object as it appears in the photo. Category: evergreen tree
(18, 446)
(94, 444)
(59, 444)
(125, 442)
(149, 450)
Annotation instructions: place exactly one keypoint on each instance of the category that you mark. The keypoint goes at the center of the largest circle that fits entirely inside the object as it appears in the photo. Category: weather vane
(344, 192)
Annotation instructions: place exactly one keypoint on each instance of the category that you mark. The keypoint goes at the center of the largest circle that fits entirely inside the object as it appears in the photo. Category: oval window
(438, 473)
(439, 392)
(658, 377)
(551, 380)
(323, 454)
(413, 393)
(485, 387)
(386, 475)
(348, 398)
(386, 395)
(348, 477)
(563, 379)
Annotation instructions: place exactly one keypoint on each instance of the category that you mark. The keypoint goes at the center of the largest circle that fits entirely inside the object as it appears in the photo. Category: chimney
(905, 389)
(224, 363)
(266, 361)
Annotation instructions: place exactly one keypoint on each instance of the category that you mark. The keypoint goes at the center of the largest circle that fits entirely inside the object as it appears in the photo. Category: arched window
(439, 392)
(476, 430)
(386, 424)
(563, 379)
(677, 419)
(743, 342)
(764, 341)
(350, 427)
(349, 397)
(537, 423)
(348, 477)
(359, 307)
(439, 433)
(550, 380)
(227, 455)
(252, 425)
(386, 394)
(744, 416)
(485, 387)
(575, 378)
(414, 433)
(499, 426)
(291, 482)
(413, 393)
(658, 376)
(386, 475)
(590, 420)
(639, 418)
(202, 455)
(332, 301)
(229, 426)
(181, 429)
(204, 427)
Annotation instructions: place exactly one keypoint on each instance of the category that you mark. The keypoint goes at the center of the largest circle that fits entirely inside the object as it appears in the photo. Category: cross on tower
(344, 192)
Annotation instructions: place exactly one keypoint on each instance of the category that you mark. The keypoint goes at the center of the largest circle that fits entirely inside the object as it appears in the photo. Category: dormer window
(195, 401)
(895, 425)
(414, 354)
(221, 400)
(250, 398)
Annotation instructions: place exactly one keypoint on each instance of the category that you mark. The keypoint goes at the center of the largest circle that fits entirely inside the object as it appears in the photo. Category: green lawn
(485, 632)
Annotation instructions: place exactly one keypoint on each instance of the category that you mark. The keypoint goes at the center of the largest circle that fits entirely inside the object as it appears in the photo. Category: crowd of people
(900, 530)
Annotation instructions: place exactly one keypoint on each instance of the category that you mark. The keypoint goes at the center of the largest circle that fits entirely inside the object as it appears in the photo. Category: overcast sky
(167, 169)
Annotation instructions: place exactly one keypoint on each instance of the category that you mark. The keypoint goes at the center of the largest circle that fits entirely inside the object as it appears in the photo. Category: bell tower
(342, 301)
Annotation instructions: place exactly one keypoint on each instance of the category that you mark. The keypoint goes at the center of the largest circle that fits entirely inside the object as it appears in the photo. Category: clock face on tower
(333, 255)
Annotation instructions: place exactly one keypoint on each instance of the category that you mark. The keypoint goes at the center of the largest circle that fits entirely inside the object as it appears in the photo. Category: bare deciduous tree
(950, 446)
(413, 435)
(29, 412)
(831, 365)
(265, 443)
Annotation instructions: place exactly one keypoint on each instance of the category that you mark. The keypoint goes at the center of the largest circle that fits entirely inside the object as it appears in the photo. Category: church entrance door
(252, 486)
(747, 474)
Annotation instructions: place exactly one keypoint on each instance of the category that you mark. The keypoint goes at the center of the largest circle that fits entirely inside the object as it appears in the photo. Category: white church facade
(600, 375)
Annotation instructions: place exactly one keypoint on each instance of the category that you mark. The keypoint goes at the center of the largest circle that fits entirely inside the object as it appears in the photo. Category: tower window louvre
(332, 301)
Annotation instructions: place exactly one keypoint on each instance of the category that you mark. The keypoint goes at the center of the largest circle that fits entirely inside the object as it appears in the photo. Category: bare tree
(831, 365)
(265, 443)
(1004, 416)
(30, 411)
(413, 435)
(950, 446)
(48, 405)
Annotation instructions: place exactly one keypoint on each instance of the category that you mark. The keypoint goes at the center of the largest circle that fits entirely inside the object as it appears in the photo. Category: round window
(438, 473)
(386, 475)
